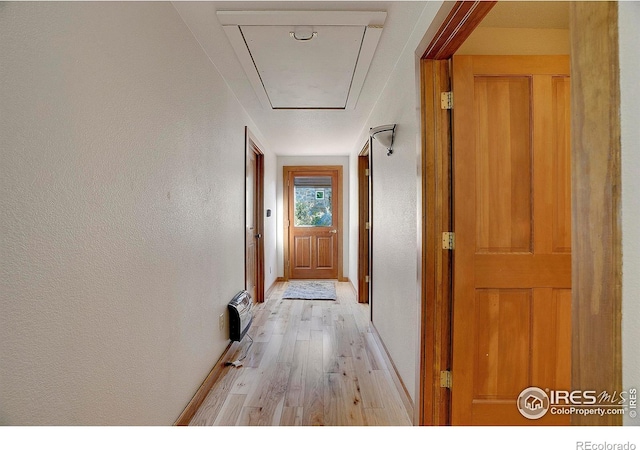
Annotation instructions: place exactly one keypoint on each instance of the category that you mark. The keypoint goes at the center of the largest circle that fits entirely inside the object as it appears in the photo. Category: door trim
(435, 282)
(437, 287)
(286, 171)
(596, 202)
(252, 146)
(364, 254)
(595, 322)
(463, 18)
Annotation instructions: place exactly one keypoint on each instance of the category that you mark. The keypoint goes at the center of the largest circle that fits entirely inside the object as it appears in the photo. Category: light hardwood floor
(311, 363)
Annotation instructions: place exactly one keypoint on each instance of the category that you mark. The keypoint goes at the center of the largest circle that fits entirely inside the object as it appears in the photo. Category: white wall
(629, 18)
(201, 19)
(516, 41)
(396, 182)
(283, 161)
(270, 223)
(122, 225)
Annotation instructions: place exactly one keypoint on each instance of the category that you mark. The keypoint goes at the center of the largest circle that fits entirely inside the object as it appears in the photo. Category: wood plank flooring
(312, 362)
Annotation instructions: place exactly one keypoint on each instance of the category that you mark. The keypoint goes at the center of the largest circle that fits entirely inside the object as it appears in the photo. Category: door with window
(314, 222)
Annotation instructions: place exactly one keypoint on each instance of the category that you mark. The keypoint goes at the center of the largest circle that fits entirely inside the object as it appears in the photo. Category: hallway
(311, 363)
(123, 159)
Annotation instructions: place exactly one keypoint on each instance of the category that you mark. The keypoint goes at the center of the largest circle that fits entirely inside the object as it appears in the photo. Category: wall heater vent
(240, 315)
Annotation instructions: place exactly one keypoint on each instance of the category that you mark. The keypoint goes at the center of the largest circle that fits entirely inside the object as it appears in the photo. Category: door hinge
(446, 100)
(366, 172)
(367, 226)
(448, 240)
(366, 278)
(445, 379)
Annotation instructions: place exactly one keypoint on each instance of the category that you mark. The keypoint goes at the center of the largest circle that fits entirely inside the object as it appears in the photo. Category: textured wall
(121, 234)
(629, 18)
(395, 204)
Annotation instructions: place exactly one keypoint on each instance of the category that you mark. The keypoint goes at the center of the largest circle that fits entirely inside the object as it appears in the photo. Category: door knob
(333, 231)
(258, 236)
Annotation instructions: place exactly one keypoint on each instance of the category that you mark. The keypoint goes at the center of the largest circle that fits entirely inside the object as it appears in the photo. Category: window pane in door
(313, 202)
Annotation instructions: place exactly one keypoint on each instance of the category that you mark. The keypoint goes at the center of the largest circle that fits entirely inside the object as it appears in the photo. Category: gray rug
(311, 290)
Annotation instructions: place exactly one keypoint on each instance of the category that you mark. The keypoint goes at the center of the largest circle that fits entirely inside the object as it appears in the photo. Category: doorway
(254, 218)
(364, 238)
(313, 222)
(592, 214)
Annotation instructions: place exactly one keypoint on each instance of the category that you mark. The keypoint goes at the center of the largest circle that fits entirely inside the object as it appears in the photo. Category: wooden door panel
(561, 144)
(503, 164)
(502, 337)
(325, 259)
(512, 261)
(302, 252)
(551, 331)
(513, 271)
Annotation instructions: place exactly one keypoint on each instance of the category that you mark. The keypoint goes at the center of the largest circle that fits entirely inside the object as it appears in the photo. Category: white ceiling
(335, 132)
(304, 132)
(305, 59)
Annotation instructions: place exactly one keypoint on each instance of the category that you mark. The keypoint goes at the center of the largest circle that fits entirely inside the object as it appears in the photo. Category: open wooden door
(364, 193)
(314, 223)
(512, 223)
(254, 222)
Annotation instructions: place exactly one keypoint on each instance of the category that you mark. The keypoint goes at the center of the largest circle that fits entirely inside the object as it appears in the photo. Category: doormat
(311, 290)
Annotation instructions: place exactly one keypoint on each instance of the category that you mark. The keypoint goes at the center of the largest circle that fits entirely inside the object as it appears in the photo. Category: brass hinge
(445, 379)
(446, 100)
(448, 240)
(367, 225)
(366, 172)
(366, 278)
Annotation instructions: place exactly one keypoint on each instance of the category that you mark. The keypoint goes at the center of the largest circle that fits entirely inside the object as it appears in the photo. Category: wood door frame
(436, 284)
(596, 202)
(596, 272)
(437, 287)
(252, 146)
(337, 214)
(364, 253)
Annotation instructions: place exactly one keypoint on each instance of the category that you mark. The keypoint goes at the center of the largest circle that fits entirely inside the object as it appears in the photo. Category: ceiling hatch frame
(371, 21)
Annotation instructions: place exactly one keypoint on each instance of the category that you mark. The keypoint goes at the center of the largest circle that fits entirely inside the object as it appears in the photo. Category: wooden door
(254, 214)
(363, 226)
(512, 220)
(314, 222)
(252, 231)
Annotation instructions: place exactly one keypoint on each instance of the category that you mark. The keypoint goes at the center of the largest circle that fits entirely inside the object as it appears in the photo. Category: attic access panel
(312, 73)
(294, 65)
